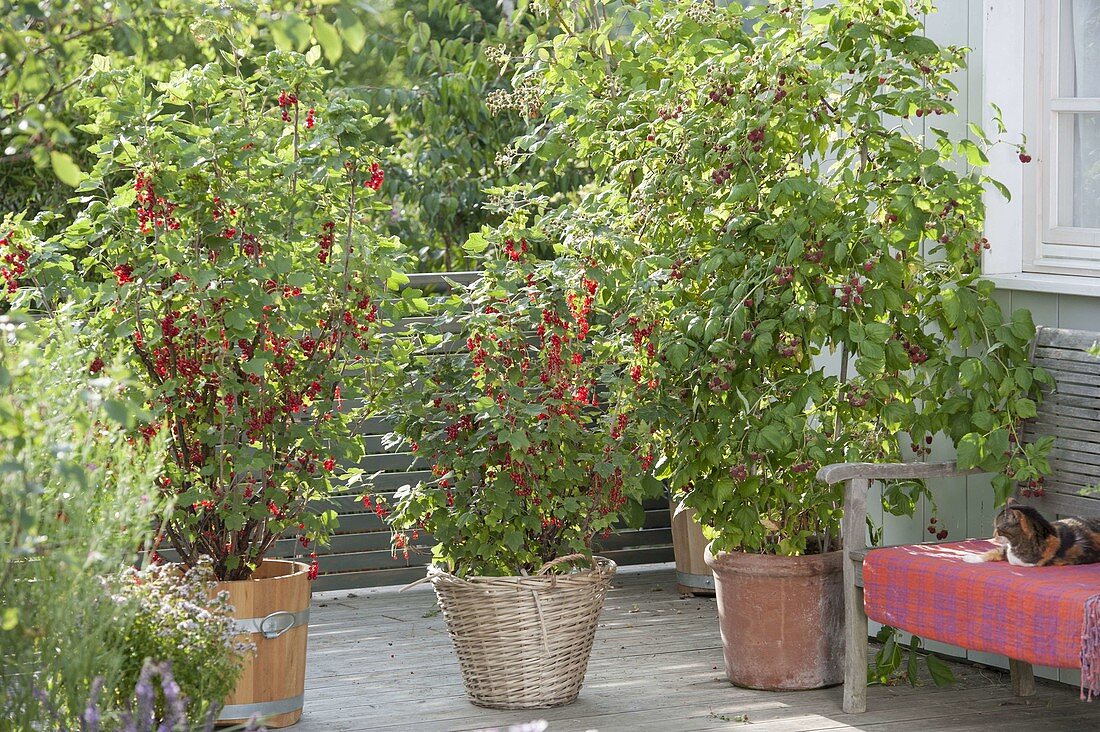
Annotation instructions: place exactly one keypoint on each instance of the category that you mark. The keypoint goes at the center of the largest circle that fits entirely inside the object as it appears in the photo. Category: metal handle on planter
(273, 625)
(269, 634)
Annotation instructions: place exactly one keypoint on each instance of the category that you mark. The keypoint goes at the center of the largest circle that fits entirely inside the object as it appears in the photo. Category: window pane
(1079, 49)
(1078, 170)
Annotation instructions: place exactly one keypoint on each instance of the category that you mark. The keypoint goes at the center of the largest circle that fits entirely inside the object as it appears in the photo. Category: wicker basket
(524, 642)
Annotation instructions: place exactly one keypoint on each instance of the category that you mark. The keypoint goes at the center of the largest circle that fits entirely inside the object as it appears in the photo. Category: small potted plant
(226, 251)
(537, 450)
(811, 264)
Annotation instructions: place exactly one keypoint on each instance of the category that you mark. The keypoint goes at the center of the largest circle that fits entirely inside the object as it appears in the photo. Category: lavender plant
(179, 620)
(141, 714)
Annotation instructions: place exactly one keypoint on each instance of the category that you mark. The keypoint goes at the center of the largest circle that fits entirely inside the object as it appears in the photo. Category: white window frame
(1020, 75)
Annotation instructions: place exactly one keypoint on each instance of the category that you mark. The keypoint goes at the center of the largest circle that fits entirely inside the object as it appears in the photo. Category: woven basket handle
(566, 559)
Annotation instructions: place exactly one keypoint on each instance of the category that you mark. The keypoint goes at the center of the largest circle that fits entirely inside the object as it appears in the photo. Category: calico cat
(1029, 540)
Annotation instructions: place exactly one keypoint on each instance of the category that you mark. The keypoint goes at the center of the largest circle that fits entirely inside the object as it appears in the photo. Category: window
(1067, 139)
(1041, 65)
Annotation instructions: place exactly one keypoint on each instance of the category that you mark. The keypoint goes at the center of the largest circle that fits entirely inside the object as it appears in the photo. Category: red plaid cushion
(1034, 614)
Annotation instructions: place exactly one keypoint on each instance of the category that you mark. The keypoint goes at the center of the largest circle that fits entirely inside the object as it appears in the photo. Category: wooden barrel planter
(272, 611)
(693, 576)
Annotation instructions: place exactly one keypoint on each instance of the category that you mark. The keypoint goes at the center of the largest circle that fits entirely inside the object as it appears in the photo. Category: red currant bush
(227, 251)
(533, 429)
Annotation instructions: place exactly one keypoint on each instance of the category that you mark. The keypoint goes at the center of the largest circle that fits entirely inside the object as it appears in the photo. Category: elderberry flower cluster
(525, 99)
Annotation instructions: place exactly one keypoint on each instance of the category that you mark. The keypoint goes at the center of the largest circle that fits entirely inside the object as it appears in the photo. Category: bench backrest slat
(1071, 414)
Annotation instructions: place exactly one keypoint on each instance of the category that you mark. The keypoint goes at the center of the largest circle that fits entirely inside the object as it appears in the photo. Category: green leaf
(66, 170)
(328, 38)
(856, 332)
(911, 666)
(1026, 408)
(820, 17)
(1002, 488)
(11, 618)
(634, 514)
(941, 672)
(653, 488)
(974, 154)
(968, 451)
(281, 263)
(290, 33)
(118, 411)
(237, 319)
(1023, 377)
(1023, 327)
(874, 352)
(920, 46)
(354, 35)
(878, 332)
(767, 231)
(773, 437)
(396, 280)
(678, 355)
(995, 447)
(970, 373)
(952, 307)
(476, 243)
(513, 539)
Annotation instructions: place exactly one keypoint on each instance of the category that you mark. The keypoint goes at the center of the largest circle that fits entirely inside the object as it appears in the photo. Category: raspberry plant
(809, 253)
(226, 248)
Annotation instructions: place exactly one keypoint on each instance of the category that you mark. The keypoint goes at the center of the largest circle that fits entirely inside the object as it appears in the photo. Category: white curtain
(1085, 19)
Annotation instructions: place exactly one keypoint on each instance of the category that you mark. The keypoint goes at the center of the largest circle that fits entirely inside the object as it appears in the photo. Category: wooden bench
(1070, 413)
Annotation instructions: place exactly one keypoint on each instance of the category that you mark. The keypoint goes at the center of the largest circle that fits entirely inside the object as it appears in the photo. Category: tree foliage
(425, 68)
(49, 50)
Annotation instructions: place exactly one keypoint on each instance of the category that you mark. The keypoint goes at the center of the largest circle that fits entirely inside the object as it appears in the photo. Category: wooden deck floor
(379, 660)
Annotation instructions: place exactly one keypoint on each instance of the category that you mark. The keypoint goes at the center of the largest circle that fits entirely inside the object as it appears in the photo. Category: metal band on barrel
(273, 625)
(262, 709)
(699, 581)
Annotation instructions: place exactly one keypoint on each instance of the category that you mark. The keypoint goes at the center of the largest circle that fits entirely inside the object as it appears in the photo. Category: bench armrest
(837, 472)
(859, 476)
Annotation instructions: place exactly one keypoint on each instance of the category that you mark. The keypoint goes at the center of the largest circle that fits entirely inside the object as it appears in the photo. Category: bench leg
(1022, 676)
(855, 650)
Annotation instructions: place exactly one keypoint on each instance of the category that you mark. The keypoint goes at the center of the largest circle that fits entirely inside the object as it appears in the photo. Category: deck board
(381, 660)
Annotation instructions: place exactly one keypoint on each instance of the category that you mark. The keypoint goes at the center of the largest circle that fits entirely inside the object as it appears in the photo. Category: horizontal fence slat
(364, 579)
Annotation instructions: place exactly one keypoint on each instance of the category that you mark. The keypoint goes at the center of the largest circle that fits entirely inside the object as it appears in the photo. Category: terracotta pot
(272, 611)
(693, 576)
(782, 619)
